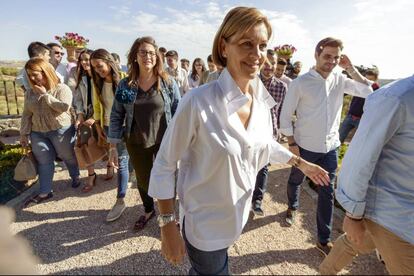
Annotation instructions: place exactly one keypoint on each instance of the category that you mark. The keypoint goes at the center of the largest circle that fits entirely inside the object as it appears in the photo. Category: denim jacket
(122, 113)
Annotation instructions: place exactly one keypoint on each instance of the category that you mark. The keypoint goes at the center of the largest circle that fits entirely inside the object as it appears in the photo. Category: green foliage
(341, 153)
(9, 71)
(9, 156)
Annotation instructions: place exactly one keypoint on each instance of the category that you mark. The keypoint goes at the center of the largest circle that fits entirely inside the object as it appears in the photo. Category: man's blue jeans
(46, 146)
(347, 125)
(329, 162)
(261, 184)
(124, 167)
(206, 262)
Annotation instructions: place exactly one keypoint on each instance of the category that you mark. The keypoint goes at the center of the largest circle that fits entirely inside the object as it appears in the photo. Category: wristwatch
(164, 219)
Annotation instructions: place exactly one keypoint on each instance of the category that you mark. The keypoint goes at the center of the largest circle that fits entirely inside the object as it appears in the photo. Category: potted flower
(285, 51)
(72, 41)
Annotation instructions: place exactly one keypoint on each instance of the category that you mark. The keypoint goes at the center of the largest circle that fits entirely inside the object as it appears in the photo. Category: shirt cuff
(162, 182)
(287, 131)
(355, 208)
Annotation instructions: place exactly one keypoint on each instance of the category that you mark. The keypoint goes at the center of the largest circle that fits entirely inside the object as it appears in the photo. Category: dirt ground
(69, 234)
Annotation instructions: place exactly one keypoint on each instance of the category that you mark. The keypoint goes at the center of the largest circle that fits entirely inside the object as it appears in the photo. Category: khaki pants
(397, 254)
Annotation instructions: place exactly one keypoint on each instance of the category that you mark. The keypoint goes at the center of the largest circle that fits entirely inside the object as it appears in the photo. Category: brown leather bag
(87, 150)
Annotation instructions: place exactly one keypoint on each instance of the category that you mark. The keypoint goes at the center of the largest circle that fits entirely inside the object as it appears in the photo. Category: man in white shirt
(317, 99)
(179, 74)
(280, 71)
(56, 55)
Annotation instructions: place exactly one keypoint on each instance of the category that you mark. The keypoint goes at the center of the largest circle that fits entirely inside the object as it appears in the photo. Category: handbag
(26, 168)
(87, 150)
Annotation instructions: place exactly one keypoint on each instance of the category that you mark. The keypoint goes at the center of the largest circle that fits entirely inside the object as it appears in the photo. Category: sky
(374, 32)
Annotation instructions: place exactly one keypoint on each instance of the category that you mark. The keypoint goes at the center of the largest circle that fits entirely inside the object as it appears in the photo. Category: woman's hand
(89, 122)
(24, 141)
(314, 172)
(39, 90)
(79, 121)
(113, 157)
(172, 244)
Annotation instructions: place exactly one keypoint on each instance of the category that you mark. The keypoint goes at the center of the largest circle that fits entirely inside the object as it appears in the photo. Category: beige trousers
(397, 254)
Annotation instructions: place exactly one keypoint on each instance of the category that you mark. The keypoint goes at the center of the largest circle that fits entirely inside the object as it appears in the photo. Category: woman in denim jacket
(146, 100)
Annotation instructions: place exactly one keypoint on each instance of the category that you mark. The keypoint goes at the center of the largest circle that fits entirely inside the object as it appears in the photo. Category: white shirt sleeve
(288, 109)
(356, 88)
(176, 141)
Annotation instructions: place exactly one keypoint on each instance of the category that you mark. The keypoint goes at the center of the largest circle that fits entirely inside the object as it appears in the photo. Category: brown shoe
(324, 249)
(142, 221)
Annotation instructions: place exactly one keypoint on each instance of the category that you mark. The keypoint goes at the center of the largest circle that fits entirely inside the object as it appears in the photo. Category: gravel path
(69, 234)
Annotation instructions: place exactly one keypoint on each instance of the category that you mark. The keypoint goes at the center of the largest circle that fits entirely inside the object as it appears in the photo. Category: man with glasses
(179, 74)
(317, 99)
(277, 89)
(56, 56)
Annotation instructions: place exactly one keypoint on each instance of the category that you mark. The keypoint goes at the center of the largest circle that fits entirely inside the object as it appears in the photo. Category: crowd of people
(208, 134)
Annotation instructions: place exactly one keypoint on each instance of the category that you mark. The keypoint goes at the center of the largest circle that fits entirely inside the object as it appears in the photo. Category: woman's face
(198, 65)
(36, 77)
(101, 67)
(246, 55)
(85, 62)
(146, 56)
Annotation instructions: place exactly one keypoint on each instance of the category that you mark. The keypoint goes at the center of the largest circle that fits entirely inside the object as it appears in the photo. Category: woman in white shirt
(222, 136)
(196, 73)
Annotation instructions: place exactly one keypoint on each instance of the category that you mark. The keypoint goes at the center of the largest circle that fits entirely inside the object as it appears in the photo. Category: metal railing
(9, 98)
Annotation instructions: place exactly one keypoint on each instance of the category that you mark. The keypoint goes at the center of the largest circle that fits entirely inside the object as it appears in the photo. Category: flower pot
(71, 53)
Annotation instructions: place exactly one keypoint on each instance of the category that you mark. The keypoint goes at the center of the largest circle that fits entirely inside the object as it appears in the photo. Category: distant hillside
(12, 63)
(383, 82)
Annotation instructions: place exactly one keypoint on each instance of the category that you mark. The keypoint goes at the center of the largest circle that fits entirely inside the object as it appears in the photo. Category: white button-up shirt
(318, 105)
(181, 77)
(219, 159)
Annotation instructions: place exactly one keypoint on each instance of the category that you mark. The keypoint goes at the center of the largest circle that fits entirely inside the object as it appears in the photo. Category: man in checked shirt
(277, 90)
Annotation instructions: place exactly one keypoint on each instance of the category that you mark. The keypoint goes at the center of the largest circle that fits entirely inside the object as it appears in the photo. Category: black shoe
(257, 208)
(324, 249)
(290, 216)
(76, 182)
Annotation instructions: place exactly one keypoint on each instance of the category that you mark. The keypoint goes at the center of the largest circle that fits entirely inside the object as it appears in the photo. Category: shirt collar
(235, 98)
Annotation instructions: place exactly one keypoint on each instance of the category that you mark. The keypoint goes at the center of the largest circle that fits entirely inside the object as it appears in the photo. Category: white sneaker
(116, 210)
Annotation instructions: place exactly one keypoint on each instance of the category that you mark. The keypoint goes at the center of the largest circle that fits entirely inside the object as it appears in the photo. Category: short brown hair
(39, 64)
(238, 21)
(328, 42)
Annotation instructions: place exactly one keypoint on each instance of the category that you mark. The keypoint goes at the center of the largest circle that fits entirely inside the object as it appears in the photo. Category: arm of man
(357, 86)
(288, 108)
(374, 131)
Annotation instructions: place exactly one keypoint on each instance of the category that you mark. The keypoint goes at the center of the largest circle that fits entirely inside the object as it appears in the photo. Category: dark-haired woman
(106, 77)
(197, 73)
(83, 103)
(146, 100)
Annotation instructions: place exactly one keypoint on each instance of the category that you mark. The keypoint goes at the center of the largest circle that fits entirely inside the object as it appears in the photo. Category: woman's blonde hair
(237, 22)
(47, 70)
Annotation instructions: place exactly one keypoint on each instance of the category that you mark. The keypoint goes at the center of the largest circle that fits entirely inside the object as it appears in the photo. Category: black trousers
(142, 160)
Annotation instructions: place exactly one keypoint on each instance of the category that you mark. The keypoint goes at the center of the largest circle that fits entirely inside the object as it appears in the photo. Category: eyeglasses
(144, 53)
(60, 53)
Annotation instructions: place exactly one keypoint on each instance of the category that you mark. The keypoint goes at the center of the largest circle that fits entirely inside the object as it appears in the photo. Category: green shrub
(9, 71)
(9, 156)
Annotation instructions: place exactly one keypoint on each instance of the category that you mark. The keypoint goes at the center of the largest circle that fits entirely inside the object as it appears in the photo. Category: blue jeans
(124, 167)
(261, 184)
(347, 125)
(329, 162)
(46, 146)
(206, 262)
